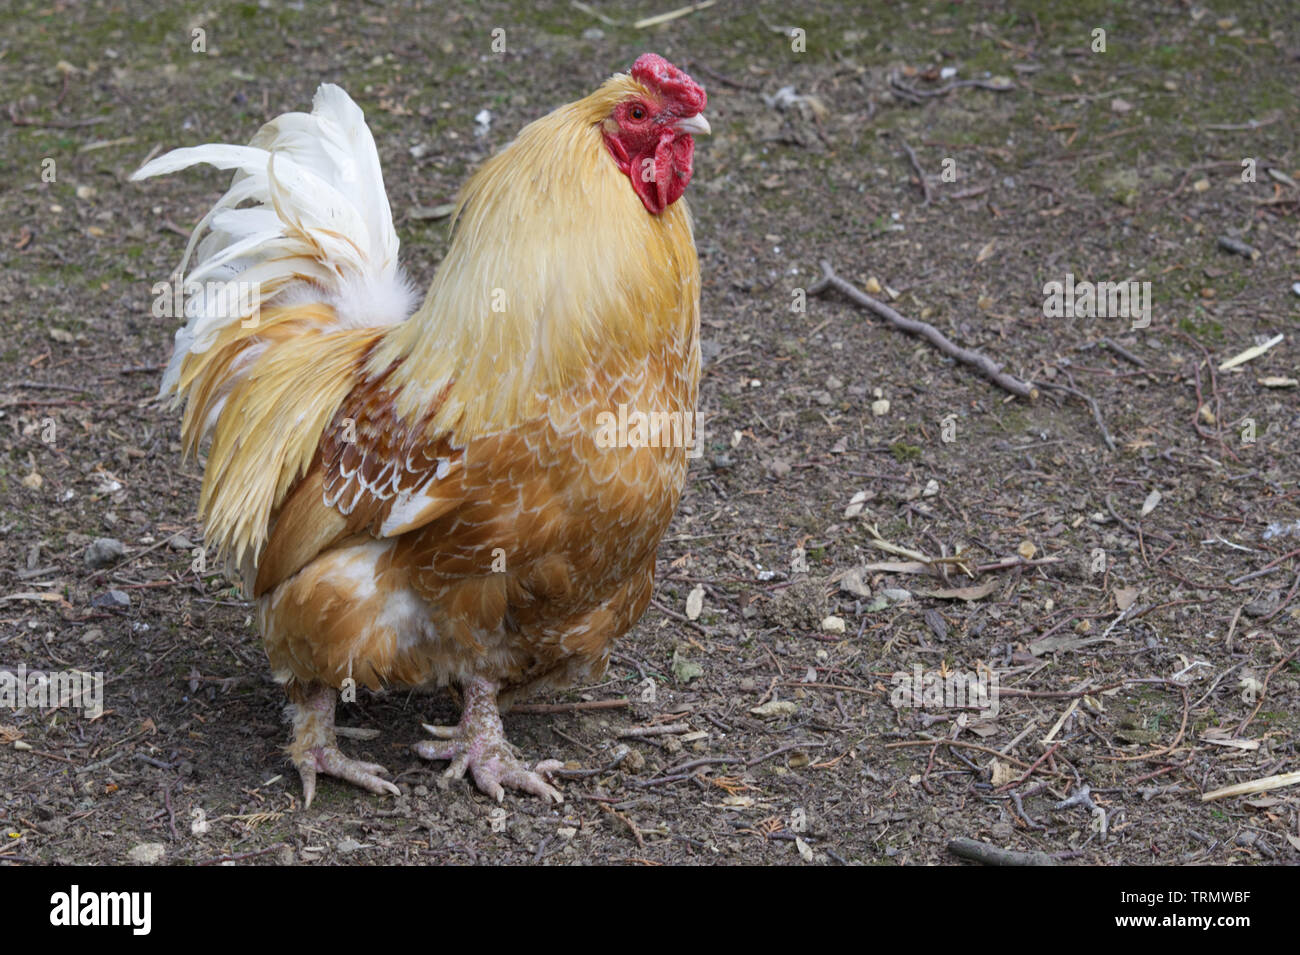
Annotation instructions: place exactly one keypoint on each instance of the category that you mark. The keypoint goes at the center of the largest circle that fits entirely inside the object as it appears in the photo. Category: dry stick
(1123, 352)
(1030, 771)
(669, 612)
(567, 707)
(1285, 600)
(920, 174)
(1091, 402)
(1241, 727)
(981, 363)
(1268, 568)
(636, 833)
(243, 855)
(1131, 528)
(992, 855)
(898, 84)
(957, 742)
(639, 732)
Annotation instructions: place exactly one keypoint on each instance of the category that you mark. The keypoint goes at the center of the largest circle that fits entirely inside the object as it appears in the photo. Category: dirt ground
(1125, 547)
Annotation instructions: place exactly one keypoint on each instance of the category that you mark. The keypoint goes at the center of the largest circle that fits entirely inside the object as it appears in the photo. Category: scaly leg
(478, 744)
(314, 747)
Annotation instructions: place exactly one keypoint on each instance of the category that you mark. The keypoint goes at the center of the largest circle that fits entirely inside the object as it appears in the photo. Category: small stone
(112, 600)
(833, 624)
(854, 582)
(148, 853)
(104, 552)
(593, 33)
(1263, 606)
(880, 407)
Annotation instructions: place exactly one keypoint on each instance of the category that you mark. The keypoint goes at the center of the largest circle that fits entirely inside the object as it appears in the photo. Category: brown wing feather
(374, 472)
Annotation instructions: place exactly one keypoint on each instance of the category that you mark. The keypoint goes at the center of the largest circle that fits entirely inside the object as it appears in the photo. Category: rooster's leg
(314, 748)
(478, 744)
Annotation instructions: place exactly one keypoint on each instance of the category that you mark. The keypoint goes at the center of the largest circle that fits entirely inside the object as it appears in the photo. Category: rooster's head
(649, 130)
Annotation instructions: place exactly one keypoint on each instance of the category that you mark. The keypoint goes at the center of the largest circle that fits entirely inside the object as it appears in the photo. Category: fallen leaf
(1124, 597)
(695, 602)
(685, 670)
(776, 708)
(1151, 503)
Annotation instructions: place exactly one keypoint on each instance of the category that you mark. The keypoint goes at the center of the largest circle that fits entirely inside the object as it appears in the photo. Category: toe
(428, 749)
(442, 732)
(307, 773)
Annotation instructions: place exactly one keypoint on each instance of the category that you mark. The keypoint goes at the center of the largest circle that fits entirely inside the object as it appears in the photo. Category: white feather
(320, 229)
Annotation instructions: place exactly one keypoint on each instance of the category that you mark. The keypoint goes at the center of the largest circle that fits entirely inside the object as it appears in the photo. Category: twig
(1268, 568)
(568, 707)
(1123, 352)
(920, 174)
(956, 742)
(982, 363)
(992, 855)
(669, 612)
(1241, 727)
(243, 855)
(898, 84)
(636, 833)
(1020, 810)
(640, 732)
(784, 749)
(1091, 403)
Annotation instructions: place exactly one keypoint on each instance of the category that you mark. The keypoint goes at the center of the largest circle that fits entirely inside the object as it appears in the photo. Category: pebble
(112, 600)
(104, 552)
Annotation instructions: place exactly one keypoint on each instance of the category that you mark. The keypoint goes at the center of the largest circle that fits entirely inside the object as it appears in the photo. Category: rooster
(416, 495)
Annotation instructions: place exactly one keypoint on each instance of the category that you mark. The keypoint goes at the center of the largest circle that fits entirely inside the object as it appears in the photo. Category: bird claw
(485, 753)
(331, 761)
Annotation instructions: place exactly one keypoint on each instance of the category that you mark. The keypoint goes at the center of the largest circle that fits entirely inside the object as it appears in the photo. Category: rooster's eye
(637, 113)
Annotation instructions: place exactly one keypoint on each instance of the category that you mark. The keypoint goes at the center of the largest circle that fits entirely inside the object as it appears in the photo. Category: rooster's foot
(331, 761)
(478, 744)
(314, 750)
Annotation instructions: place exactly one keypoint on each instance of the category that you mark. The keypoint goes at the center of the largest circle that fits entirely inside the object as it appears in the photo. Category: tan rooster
(423, 496)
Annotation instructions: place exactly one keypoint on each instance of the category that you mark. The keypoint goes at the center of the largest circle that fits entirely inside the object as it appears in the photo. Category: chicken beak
(696, 125)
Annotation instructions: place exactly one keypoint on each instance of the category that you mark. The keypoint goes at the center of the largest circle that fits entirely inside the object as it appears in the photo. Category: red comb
(652, 70)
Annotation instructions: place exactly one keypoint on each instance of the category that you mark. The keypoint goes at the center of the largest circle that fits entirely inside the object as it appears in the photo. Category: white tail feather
(321, 229)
